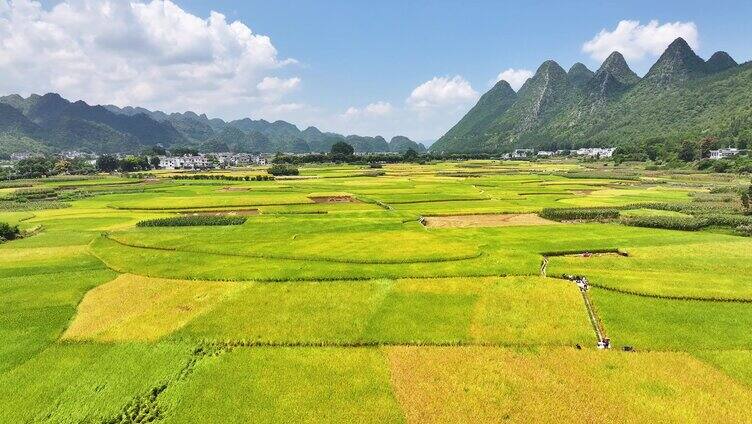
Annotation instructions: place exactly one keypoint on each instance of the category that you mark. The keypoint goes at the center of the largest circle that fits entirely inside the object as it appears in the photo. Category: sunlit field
(419, 293)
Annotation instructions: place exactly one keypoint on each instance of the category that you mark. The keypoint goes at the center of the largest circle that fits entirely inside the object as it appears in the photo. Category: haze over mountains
(681, 96)
(50, 123)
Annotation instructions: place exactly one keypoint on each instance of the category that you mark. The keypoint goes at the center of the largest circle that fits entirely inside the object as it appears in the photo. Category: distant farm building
(596, 152)
(724, 153)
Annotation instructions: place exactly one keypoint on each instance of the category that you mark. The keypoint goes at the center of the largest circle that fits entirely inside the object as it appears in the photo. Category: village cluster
(171, 162)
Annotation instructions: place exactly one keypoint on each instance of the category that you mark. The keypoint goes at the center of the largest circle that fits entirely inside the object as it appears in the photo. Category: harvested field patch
(230, 188)
(486, 220)
(334, 199)
(485, 384)
(233, 212)
(141, 308)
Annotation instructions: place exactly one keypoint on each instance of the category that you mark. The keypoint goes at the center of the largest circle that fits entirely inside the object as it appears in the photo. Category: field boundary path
(604, 342)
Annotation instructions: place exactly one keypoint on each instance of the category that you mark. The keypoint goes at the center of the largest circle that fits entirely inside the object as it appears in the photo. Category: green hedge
(691, 223)
(192, 220)
(16, 206)
(579, 214)
(728, 220)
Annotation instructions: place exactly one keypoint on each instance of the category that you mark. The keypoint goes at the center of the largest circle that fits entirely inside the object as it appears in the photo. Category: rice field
(427, 293)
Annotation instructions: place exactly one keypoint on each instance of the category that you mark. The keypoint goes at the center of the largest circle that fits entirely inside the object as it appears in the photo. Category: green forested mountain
(681, 97)
(401, 144)
(51, 123)
(579, 74)
(475, 124)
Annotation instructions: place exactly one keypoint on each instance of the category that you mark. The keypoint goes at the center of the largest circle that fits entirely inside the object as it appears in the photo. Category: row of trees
(342, 152)
(109, 163)
(38, 167)
(47, 166)
(671, 149)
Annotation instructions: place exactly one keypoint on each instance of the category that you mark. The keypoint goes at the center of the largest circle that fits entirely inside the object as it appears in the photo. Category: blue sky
(347, 55)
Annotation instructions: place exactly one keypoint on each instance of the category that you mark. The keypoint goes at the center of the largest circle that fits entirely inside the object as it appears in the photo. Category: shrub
(690, 223)
(579, 214)
(744, 230)
(727, 220)
(192, 221)
(282, 169)
(8, 232)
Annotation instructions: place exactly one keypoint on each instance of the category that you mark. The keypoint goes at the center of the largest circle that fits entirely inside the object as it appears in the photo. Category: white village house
(724, 153)
(522, 153)
(205, 161)
(184, 162)
(596, 152)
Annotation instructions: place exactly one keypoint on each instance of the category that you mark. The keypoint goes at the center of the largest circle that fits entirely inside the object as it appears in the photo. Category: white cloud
(377, 109)
(634, 41)
(441, 92)
(152, 54)
(515, 77)
(273, 88)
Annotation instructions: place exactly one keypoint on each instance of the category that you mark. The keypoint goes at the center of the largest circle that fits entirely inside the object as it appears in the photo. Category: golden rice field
(431, 293)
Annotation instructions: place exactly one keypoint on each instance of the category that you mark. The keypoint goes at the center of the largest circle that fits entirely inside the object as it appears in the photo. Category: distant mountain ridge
(50, 123)
(681, 96)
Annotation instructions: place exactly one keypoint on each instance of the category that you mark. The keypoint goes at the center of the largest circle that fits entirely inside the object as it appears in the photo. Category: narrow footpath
(603, 342)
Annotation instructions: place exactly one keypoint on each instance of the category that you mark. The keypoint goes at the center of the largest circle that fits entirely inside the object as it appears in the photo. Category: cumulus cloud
(441, 92)
(273, 88)
(377, 109)
(515, 77)
(152, 53)
(635, 41)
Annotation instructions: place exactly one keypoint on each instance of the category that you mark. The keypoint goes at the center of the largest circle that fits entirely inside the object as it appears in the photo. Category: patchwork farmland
(424, 293)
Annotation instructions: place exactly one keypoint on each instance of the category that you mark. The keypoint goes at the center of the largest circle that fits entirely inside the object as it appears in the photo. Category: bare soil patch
(236, 212)
(235, 189)
(487, 220)
(334, 199)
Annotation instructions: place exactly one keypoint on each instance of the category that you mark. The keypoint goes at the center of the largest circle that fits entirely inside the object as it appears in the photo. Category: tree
(107, 163)
(183, 151)
(35, 167)
(687, 151)
(282, 169)
(154, 162)
(342, 150)
(80, 166)
(706, 144)
(8, 232)
(155, 150)
(410, 155)
(134, 163)
(62, 167)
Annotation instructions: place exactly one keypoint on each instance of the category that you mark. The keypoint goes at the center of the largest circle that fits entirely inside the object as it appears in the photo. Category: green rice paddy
(332, 302)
